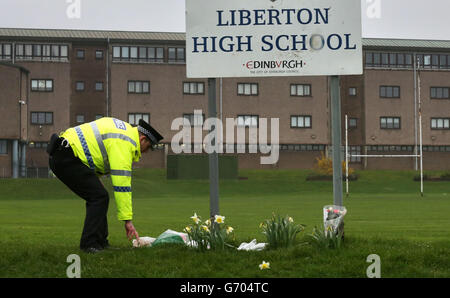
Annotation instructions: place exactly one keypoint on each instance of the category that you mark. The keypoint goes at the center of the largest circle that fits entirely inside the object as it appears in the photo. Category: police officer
(83, 153)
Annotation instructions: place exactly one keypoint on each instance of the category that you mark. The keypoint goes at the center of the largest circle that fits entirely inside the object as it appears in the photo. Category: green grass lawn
(41, 223)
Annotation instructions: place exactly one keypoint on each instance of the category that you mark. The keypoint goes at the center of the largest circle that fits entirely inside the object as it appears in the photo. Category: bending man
(83, 153)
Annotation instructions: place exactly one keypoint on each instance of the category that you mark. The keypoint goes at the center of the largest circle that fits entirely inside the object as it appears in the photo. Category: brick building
(53, 79)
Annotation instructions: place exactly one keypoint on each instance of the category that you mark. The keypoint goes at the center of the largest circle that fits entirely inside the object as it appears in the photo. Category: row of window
(48, 52)
(297, 121)
(403, 148)
(41, 51)
(143, 87)
(352, 150)
(148, 54)
(405, 60)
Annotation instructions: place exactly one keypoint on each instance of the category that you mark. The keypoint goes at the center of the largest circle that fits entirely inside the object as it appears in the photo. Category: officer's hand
(131, 231)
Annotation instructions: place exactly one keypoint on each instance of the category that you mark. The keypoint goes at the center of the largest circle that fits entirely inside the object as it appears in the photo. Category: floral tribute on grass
(280, 231)
(332, 233)
(212, 234)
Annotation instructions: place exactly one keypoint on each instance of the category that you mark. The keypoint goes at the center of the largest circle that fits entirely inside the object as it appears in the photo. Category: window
(42, 118)
(402, 60)
(195, 119)
(39, 145)
(354, 150)
(80, 118)
(3, 146)
(79, 86)
(389, 92)
(138, 87)
(300, 90)
(133, 118)
(43, 52)
(41, 85)
(99, 54)
(247, 120)
(80, 54)
(440, 123)
(193, 88)
(301, 122)
(390, 122)
(352, 91)
(440, 92)
(369, 59)
(138, 54)
(176, 55)
(98, 117)
(5, 51)
(98, 86)
(353, 122)
(247, 88)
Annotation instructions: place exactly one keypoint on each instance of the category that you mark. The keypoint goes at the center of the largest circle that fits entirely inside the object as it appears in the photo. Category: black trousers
(84, 182)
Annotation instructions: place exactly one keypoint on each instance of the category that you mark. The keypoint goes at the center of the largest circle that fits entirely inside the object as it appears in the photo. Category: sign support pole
(336, 139)
(213, 157)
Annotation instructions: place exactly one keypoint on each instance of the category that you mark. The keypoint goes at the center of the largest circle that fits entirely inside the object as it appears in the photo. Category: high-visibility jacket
(108, 146)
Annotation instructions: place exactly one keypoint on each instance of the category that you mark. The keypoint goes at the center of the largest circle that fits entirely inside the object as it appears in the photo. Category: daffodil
(229, 230)
(195, 218)
(264, 265)
(219, 219)
(261, 225)
(205, 228)
(291, 219)
(208, 222)
(187, 229)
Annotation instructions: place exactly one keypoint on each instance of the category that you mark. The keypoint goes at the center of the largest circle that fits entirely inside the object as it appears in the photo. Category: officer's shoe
(92, 250)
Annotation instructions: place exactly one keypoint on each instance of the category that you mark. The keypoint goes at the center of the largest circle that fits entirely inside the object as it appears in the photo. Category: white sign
(253, 38)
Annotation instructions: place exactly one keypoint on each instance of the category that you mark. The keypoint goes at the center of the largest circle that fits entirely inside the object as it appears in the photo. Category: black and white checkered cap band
(148, 134)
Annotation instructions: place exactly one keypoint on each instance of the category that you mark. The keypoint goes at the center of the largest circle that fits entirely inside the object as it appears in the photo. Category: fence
(28, 172)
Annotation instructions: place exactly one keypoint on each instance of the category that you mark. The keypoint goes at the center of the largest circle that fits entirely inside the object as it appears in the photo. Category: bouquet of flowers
(333, 218)
(211, 234)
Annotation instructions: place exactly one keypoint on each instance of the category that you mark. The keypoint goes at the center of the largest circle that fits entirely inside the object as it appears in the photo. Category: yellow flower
(208, 222)
(264, 265)
(205, 228)
(219, 219)
(229, 230)
(195, 218)
(187, 229)
(290, 219)
(261, 225)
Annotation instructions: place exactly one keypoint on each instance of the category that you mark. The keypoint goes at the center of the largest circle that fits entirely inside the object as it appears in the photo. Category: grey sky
(416, 19)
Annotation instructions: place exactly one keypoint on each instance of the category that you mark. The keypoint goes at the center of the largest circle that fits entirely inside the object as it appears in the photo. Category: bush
(325, 166)
(280, 231)
(445, 175)
(327, 239)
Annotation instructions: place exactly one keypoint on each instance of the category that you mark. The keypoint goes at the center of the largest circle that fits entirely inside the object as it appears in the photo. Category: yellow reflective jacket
(108, 146)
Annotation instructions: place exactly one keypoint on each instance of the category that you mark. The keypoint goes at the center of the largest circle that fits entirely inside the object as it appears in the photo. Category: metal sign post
(336, 139)
(213, 157)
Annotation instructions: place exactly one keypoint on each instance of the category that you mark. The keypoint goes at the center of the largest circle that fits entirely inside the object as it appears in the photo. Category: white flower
(290, 219)
(219, 219)
(195, 218)
(208, 222)
(229, 230)
(264, 265)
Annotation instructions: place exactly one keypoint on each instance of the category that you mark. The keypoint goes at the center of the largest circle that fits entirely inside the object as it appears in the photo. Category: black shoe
(92, 250)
